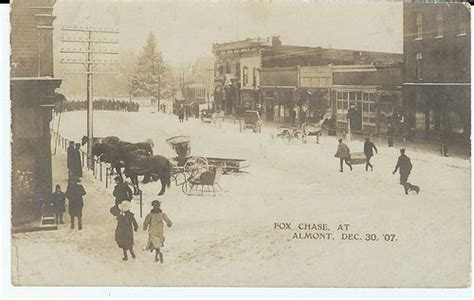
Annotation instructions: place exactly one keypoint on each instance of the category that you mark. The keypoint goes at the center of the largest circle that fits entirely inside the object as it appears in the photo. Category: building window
(463, 22)
(419, 26)
(227, 67)
(418, 69)
(439, 24)
(254, 77)
(245, 75)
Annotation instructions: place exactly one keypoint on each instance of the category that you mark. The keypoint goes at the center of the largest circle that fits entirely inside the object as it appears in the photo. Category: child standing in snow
(154, 222)
(59, 199)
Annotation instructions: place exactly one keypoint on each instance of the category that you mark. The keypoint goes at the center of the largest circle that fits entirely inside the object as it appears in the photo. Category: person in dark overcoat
(70, 159)
(121, 191)
(77, 160)
(59, 199)
(369, 148)
(74, 194)
(126, 225)
(344, 155)
(405, 166)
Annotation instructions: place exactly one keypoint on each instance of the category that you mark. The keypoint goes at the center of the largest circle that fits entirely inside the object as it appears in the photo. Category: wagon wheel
(196, 165)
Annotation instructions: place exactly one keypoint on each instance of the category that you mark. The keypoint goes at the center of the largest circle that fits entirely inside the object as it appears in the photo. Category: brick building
(437, 69)
(32, 97)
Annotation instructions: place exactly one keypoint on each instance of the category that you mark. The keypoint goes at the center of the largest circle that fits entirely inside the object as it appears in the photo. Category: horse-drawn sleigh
(192, 172)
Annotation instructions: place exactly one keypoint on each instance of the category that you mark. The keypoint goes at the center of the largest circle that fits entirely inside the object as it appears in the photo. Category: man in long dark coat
(74, 193)
(77, 161)
(121, 191)
(405, 166)
(70, 159)
(369, 148)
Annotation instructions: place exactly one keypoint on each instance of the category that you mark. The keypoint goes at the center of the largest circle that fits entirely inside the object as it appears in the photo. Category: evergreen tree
(152, 76)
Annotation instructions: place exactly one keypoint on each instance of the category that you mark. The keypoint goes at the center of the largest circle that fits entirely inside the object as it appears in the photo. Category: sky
(186, 30)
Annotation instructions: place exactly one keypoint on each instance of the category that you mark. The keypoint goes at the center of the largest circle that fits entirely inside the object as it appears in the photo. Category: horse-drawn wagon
(251, 120)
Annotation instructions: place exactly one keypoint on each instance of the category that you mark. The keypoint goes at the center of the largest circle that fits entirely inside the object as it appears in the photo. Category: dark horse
(96, 140)
(156, 167)
(137, 162)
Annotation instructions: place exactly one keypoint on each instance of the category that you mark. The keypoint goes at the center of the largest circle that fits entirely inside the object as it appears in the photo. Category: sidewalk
(456, 150)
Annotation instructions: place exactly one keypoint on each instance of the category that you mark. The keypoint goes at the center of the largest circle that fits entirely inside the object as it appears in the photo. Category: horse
(96, 140)
(148, 147)
(156, 167)
(110, 153)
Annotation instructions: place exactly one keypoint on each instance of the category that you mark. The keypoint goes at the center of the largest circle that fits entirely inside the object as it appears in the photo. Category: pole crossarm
(90, 29)
(89, 62)
(90, 41)
(94, 73)
(89, 51)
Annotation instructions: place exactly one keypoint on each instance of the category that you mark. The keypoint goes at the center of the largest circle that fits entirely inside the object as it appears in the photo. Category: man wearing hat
(154, 223)
(344, 155)
(121, 191)
(74, 193)
(369, 148)
(405, 166)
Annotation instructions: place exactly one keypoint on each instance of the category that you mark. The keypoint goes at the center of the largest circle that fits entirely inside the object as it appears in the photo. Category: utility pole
(88, 38)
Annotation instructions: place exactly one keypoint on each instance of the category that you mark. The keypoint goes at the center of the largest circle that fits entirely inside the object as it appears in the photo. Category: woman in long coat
(154, 223)
(126, 224)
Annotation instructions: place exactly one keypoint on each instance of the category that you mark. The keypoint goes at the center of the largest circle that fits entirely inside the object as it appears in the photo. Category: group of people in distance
(403, 165)
(127, 224)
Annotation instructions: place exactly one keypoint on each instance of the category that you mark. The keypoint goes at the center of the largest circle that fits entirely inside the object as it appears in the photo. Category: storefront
(371, 108)
(432, 108)
(279, 104)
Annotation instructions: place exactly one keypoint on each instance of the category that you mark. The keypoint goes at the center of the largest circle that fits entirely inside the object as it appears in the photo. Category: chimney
(276, 42)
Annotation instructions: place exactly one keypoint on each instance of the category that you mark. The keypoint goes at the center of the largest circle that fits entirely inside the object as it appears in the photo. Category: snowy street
(231, 240)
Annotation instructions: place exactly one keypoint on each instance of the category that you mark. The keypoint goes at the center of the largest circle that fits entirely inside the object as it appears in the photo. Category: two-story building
(234, 67)
(436, 52)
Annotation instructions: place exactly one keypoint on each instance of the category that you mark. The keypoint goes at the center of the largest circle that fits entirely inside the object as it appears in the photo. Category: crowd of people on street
(98, 104)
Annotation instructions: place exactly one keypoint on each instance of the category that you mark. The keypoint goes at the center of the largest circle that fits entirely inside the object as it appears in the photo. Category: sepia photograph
(257, 144)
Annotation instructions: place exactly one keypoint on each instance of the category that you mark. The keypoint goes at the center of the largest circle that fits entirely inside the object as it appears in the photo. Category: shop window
(352, 95)
(245, 75)
(344, 95)
(254, 77)
(418, 66)
(419, 26)
(359, 95)
(365, 106)
(365, 97)
(227, 67)
(372, 107)
(345, 105)
(339, 95)
(439, 24)
(463, 22)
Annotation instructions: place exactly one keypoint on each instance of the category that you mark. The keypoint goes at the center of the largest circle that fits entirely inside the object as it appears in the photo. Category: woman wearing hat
(154, 223)
(126, 224)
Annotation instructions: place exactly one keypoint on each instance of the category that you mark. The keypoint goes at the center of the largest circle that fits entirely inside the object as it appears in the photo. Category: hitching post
(141, 203)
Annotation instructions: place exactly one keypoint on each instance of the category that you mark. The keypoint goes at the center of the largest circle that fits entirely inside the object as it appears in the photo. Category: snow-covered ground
(230, 240)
